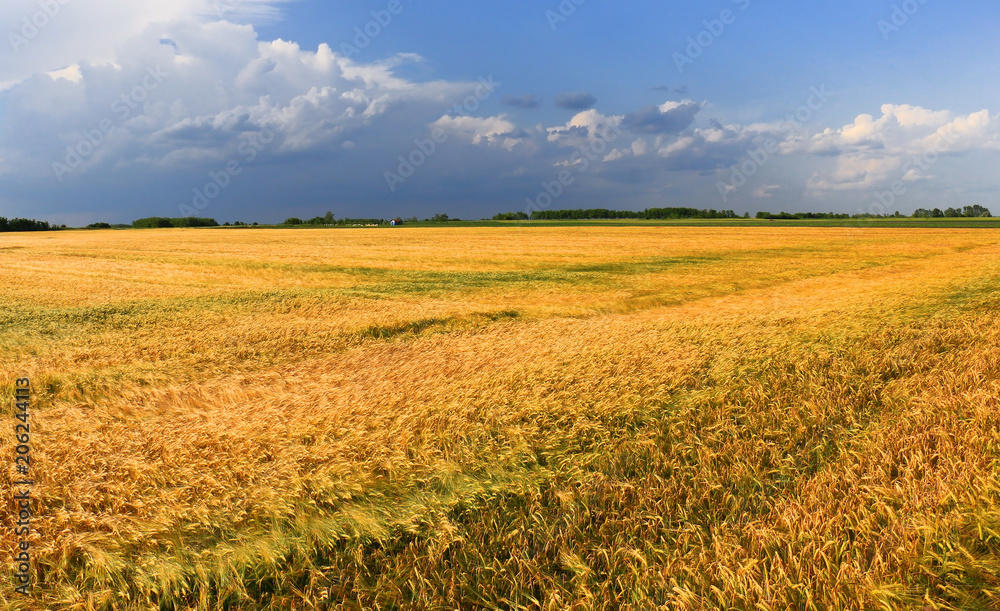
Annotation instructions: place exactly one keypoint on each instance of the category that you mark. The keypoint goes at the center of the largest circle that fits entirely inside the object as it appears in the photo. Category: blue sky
(260, 110)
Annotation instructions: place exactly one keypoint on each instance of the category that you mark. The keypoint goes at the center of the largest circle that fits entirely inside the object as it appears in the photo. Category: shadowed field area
(507, 418)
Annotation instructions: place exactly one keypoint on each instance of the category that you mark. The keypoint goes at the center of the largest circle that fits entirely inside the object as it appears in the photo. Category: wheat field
(506, 418)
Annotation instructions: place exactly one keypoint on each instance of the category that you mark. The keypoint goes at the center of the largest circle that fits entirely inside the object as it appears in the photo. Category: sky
(259, 110)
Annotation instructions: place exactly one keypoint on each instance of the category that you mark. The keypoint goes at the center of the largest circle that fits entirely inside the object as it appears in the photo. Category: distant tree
(440, 218)
(511, 216)
(19, 224)
(293, 220)
(412, 219)
(329, 218)
(151, 222)
(159, 221)
(976, 211)
(99, 226)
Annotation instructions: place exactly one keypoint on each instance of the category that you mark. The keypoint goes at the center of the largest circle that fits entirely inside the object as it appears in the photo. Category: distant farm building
(395, 222)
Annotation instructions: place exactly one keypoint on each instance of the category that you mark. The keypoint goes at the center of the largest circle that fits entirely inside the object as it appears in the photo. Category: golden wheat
(508, 418)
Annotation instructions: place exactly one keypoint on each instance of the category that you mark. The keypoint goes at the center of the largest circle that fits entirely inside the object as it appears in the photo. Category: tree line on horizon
(18, 224)
(967, 211)
(329, 219)
(695, 213)
(672, 213)
(605, 213)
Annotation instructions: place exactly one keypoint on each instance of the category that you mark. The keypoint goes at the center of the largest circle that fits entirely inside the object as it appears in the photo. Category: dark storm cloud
(525, 101)
(654, 120)
(575, 101)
